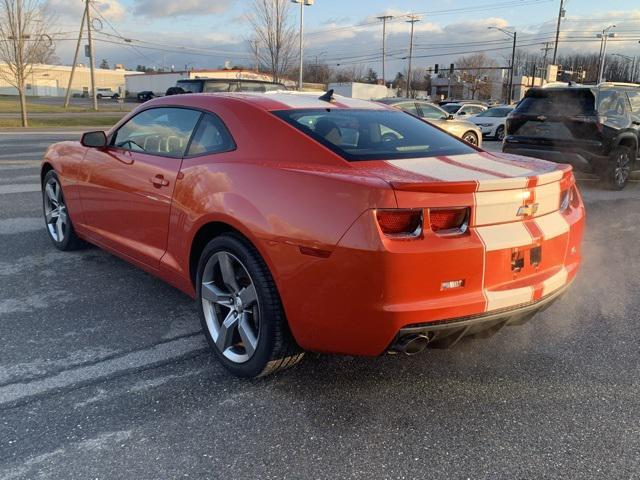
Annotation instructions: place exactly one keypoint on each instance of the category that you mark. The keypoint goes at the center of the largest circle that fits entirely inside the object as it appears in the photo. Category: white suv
(106, 93)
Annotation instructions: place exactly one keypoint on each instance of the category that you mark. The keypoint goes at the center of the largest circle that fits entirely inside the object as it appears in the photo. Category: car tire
(99, 96)
(470, 137)
(57, 220)
(500, 133)
(617, 170)
(240, 309)
(116, 96)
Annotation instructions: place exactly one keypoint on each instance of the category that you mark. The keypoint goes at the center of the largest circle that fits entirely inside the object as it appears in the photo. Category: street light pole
(604, 35)
(513, 35)
(302, 3)
(384, 19)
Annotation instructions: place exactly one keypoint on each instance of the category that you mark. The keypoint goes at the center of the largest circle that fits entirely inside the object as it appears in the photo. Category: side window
(431, 112)
(408, 107)
(613, 103)
(211, 137)
(634, 99)
(158, 131)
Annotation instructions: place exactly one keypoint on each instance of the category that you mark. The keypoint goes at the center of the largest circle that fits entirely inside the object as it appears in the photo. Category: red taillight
(400, 222)
(449, 220)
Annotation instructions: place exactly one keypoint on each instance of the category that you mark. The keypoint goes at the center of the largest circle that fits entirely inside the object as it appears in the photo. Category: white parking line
(11, 226)
(131, 361)
(20, 188)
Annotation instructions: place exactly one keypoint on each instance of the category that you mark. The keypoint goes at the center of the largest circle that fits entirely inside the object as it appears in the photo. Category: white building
(52, 80)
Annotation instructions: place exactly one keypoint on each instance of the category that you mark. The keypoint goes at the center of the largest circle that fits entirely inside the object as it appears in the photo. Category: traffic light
(451, 69)
(435, 70)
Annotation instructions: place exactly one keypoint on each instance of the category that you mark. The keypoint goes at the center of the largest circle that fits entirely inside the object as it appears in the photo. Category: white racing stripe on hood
(435, 168)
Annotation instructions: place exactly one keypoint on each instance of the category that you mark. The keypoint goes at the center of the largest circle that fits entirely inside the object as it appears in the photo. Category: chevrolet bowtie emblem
(528, 210)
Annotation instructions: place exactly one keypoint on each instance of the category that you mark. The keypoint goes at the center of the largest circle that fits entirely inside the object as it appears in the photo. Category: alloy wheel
(500, 134)
(470, 138)
(55, 210)
(623, 168)
(230, 305)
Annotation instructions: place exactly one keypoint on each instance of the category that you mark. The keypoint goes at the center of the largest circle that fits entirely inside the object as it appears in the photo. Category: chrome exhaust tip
(411, 344)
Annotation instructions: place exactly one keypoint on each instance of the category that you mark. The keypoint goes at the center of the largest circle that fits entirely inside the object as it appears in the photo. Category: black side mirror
(97, 139)
(450, 117)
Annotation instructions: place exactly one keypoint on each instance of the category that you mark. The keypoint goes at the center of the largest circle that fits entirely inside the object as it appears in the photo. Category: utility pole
(561, 13)
(255, 46)
(87, 15)
(384, 19)
(513, 66)
(545, 49)
(75, 60)
(412, 20)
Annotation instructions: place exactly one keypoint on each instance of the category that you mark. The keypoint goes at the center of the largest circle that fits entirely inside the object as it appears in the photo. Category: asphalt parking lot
(104, 374)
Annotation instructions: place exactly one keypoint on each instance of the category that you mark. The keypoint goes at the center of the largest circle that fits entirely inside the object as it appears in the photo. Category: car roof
(289, 100)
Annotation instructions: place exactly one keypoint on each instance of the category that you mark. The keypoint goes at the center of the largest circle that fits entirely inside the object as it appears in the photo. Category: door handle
(159, 181)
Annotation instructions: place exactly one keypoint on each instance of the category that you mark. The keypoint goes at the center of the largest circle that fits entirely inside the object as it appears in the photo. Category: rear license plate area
(524, 259)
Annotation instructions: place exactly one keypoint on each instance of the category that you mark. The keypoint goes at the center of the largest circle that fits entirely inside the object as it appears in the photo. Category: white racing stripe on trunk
(503, 184)
(552, 225)
(432, 167)
(550, 177)
(508, 235)
(499, 206)
(508, 298)
(478, 161)
(547, 197)
(555, 282)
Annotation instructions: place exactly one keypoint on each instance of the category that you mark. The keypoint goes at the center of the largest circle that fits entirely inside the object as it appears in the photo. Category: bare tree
(276, 35)
(23, 42)
(474, 70)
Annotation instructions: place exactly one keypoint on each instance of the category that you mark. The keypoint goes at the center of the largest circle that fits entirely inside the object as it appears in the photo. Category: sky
(206, 33)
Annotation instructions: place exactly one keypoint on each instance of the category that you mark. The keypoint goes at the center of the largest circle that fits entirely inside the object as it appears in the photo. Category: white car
(464, 109)
(492, 121)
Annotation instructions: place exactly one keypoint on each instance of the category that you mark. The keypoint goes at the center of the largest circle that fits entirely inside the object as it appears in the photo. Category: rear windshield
(373, 134)
(495, 112)
(451, 107)
(558, 102)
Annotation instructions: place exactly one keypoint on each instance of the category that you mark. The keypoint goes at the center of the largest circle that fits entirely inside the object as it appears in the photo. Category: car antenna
(328, 96)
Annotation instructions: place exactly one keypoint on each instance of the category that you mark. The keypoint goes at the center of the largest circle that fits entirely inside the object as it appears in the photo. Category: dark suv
(596, 128)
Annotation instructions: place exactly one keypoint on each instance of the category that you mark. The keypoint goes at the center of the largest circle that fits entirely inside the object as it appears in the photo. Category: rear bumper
(582, 160)
(446, 333)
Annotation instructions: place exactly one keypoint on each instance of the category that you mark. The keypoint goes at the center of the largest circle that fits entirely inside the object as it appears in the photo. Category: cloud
(175, 8)
(109, 9)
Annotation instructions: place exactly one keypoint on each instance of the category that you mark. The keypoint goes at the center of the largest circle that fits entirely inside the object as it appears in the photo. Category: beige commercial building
(52, 80)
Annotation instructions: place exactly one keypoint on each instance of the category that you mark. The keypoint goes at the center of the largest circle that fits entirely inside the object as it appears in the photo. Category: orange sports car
(329, 224)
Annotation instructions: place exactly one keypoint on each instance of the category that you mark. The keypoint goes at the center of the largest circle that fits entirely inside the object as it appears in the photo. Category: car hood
(475, 172)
